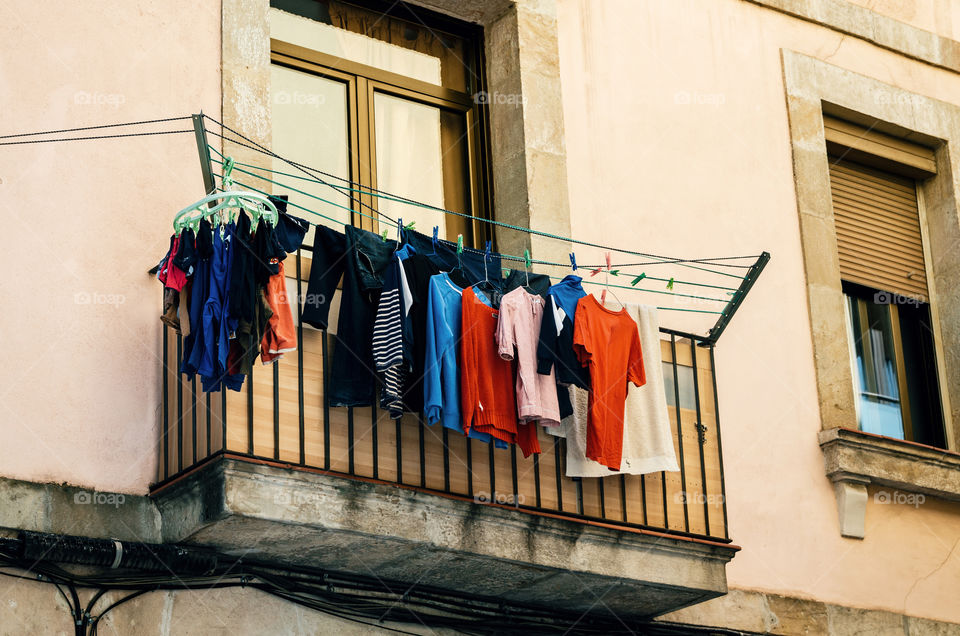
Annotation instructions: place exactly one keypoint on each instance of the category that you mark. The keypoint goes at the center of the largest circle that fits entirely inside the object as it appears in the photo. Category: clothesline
(355, 192)
(374, 192)
(511, 257)
(388, 197)
(616, 272)
(502, 256)
(591, 282)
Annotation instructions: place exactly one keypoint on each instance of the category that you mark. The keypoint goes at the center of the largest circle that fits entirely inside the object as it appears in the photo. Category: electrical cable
(348, 597)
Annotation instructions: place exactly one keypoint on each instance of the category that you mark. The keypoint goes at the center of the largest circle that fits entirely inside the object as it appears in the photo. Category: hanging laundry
(388, 339)
(534, 283)
(193, 343)
(517, 333)
(280, 335)
(442, 383)
(444, 254)
(290, 229)
(488, 397)
(360, 258)
(555, 346)
(608, 343)
(186, 255)
(173, 279)
(647, 437)
(418, 269)
(214, 318)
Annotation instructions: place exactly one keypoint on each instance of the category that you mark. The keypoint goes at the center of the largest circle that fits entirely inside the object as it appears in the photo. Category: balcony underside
(309, 518)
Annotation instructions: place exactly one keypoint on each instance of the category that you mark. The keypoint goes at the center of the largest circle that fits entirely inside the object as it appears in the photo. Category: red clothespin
(603, 295)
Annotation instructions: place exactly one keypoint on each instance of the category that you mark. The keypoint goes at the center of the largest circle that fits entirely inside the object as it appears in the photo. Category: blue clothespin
(436, 230)
(573, 261)
(486, 251)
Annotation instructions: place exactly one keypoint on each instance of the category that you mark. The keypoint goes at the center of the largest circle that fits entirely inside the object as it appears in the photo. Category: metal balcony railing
(281, 418)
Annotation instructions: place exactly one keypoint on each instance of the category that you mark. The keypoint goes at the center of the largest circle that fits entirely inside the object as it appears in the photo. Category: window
(384, 100)
(889, 323)
(894, 366)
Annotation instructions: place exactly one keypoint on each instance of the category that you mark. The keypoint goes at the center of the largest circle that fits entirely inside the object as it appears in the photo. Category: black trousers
(360, 259)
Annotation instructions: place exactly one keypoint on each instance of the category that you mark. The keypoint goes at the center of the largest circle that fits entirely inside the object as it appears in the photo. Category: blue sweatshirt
(441, 383)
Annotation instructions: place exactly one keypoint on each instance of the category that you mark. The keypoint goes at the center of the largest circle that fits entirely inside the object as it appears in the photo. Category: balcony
(275, 471)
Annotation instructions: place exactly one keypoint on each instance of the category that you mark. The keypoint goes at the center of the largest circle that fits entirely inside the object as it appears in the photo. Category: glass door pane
(310, 126)
(421, 154)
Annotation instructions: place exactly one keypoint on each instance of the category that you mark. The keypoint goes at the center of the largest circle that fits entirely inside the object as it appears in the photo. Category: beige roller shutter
(878, 229)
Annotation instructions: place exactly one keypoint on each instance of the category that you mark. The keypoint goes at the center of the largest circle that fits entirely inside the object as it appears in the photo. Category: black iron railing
(281, 417)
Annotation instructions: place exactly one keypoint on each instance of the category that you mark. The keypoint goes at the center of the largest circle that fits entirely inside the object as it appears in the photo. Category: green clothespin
(615, 272)
(226, 179)
(410, 225)
(526, 258)
(459, 243)
(639, 278)
(384, 236)
(506, 272)
(670, 284)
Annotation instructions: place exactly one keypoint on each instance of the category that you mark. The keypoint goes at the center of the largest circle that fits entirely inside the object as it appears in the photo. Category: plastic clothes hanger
(526, 265)
(486, 285)
(256, 204)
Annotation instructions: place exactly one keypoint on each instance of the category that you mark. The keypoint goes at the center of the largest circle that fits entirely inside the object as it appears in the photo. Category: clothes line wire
(538, 262)
(661, 260)
(373, 191)
(388, 197)
(264, 150)
(49, 141)
(587, 267)
(120, 125)
(517, 258)
(591, 282)
(365, 190)
(370, 191)
(510, 257)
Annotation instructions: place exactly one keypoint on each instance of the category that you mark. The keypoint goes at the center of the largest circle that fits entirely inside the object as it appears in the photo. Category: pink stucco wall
(84, 220)
(675, 114)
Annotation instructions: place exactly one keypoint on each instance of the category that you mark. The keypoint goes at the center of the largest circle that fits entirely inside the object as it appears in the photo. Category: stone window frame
(527, 150)
(854, 459)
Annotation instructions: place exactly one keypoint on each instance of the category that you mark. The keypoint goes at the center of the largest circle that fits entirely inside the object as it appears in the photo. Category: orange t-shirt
(608, 343)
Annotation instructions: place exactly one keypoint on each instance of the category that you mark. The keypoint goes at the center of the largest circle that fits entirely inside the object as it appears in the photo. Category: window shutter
(878, 229)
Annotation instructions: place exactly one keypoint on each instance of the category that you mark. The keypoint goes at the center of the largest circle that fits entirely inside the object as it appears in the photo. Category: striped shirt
(388, 337)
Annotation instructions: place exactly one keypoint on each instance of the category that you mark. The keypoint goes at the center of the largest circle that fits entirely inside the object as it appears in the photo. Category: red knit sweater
(487, 393)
